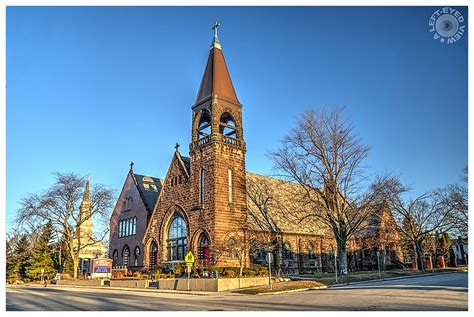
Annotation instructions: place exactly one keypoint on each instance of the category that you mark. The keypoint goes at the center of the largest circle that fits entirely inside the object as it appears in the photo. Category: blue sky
(91, 88)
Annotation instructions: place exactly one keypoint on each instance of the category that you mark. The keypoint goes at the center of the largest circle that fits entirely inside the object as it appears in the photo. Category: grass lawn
(280, 286)
(329, 278)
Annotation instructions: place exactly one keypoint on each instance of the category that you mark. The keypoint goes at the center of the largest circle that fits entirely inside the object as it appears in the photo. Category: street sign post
(189, 260)
(269, 258)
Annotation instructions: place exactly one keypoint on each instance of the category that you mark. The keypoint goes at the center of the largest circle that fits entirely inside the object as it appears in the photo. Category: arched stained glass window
(286, 251)
(126, 255)
(203, 180)
(177, 238)
(137, 254)
(115, 258)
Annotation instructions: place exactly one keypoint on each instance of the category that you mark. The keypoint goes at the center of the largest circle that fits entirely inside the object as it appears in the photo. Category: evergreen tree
(42, 255)
(18, 262)
(444, 246)
(11, 262)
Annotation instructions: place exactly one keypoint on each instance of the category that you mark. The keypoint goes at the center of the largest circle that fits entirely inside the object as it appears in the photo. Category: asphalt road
(439, 292)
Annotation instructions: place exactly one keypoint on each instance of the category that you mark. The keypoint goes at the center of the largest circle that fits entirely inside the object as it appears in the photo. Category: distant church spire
(87, 193)
(85, 208)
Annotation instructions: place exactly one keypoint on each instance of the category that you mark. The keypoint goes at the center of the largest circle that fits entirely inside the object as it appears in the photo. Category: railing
(207, 139)
(231, 141)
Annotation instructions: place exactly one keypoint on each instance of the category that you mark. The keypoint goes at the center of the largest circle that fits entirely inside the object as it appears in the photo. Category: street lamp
(378, 261)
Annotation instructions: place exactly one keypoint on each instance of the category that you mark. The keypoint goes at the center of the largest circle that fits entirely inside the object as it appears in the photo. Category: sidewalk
(149, 290)
(395, 278)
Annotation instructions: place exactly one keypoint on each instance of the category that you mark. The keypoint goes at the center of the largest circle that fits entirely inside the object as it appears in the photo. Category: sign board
(269, 257)
(189, 259)
(101, 268)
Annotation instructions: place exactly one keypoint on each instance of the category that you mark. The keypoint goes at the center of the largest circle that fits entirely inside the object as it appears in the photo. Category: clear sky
(90, 89)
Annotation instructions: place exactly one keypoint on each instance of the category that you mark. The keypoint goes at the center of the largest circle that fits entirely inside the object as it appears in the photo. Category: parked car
(56, 278)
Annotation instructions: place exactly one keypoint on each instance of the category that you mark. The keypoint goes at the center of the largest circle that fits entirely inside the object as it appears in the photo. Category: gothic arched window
(227, 125)
(203, 247)
(229, 185)
(311, 251)
(231, 245)
(286, 251)
(136, 252)
(125, 255)
(153, 258)
(204, 127)
(203, 179)
(177, 234)
(115, 258)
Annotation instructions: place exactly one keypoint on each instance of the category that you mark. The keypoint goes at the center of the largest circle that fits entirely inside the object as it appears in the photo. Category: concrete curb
(293, 290)
(393, 278)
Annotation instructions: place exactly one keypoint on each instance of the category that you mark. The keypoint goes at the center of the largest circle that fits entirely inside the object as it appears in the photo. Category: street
(438, 292)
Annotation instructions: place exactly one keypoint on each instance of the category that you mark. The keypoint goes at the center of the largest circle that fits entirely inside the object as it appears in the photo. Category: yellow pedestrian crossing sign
(189, 258)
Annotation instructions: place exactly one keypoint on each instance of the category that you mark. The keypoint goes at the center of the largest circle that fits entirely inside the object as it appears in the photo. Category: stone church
(208, 200)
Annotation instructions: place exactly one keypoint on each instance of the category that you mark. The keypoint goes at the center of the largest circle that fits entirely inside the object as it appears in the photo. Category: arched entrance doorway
(204, 252)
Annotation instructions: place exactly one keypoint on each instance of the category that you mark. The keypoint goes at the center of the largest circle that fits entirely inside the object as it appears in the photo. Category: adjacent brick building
(130, 219)
(208, 198)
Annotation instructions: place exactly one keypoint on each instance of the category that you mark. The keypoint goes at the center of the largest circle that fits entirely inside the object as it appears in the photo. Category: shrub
(249, 272)
(230, 273)
(157, 270)
(395, 266)
(177, 270)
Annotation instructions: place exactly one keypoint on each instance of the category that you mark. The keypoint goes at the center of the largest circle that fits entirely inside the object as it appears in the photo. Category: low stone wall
(225, 284)
(129, 283)
(80, 282)
(179, 284)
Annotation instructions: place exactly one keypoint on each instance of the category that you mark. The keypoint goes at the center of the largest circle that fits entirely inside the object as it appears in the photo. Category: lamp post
(378, 261)
(335, 261)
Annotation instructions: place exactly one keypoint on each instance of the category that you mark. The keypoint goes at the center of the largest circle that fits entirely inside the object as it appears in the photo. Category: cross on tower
(131, 165)
(215, 27)
(176, 146)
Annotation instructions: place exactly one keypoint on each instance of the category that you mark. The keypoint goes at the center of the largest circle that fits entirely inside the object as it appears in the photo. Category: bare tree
(456, 197)
(61, 203)
(417, 219)
(324, 156)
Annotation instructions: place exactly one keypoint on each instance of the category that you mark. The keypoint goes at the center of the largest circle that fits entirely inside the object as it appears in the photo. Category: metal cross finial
(176, 146)
(131, 165)
(215, 27)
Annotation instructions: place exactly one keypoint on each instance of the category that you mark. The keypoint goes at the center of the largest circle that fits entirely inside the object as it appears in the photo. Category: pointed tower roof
(87, 193)
(216, 78)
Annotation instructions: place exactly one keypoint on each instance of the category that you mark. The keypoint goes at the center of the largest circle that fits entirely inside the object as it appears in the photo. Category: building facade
(130, 219)
(209, 204)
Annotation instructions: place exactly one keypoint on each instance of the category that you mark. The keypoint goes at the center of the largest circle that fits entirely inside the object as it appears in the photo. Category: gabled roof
(149, 189)
(271, 206)
(216, 78)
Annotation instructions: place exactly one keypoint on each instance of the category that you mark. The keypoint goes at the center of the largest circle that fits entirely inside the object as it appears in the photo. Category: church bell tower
(217, 149)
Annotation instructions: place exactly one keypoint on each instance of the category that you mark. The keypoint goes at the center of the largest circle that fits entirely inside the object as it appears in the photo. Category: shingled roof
(187, 162)
(149, 189)
(272, 206)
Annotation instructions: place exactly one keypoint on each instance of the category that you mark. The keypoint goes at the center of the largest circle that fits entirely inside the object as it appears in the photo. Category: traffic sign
(189, 258)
